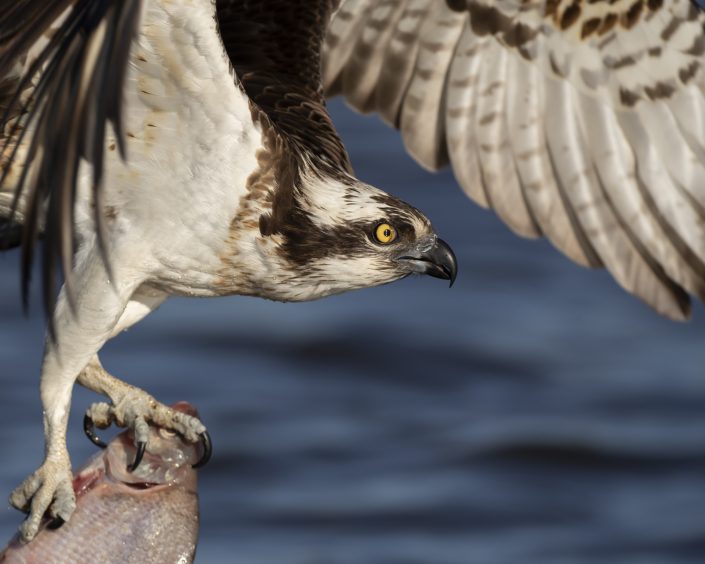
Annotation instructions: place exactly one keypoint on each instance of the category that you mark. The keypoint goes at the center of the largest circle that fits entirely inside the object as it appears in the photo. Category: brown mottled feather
(512, 101)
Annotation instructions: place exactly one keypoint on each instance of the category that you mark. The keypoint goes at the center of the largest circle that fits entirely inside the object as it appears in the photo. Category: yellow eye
(385, 233)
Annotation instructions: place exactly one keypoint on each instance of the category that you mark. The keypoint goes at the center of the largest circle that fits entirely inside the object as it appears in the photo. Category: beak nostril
(438, 261)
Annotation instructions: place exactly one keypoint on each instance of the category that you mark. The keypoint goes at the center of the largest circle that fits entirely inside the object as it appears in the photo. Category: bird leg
(49, 487)
(79, 333)
(134, 408)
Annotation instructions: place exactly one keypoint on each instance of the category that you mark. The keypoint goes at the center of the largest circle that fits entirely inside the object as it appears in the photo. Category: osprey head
(342, 234)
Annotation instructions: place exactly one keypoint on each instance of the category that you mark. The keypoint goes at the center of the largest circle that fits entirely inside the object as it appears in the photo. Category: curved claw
(207, 450)
(88, 429)
(55, 523)
(141, 446)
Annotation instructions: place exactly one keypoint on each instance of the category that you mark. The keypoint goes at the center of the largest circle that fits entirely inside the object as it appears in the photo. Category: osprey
(182, 147)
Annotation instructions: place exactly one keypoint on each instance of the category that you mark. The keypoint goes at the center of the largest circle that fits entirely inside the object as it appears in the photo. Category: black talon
(88, 429)
(207, 450)
(141, 446)
(55, 523)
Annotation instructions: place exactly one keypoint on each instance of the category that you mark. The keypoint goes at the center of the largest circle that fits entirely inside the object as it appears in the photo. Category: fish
(150, 514)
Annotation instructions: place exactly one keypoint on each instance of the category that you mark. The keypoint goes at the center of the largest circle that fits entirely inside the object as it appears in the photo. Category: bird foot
(135, 409)
(49, 487)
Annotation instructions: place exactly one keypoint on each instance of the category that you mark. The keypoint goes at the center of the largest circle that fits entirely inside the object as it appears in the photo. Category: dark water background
(534, 413)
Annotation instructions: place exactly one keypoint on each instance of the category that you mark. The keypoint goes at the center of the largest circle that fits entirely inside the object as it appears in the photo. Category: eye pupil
(385, 233)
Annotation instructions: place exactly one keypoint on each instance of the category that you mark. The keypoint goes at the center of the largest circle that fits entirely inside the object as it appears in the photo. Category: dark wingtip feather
(10, 234)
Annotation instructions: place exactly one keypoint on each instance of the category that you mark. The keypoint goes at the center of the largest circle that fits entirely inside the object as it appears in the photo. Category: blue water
(534, 413)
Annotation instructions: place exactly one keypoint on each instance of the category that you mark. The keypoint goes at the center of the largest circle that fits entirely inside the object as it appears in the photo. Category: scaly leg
(134, 408)
(78, 337)
(130, 406)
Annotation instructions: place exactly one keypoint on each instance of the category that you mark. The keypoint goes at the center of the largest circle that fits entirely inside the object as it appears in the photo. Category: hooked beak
(437, 261)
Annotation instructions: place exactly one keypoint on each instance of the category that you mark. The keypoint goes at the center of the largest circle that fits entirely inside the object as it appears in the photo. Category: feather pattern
(551, 211)
(366, 62)
(499, 173)
(70, 88)
(582, 120)
(347, 28)
(422, 124)
(461, 107)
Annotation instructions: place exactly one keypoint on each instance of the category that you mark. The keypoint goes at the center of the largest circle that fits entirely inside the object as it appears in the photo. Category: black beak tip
(445, 259)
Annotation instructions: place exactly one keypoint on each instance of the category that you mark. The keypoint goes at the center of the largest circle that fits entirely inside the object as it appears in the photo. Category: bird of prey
(182, 147)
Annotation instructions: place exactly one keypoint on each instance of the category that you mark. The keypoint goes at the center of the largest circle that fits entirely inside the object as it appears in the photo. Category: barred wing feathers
(579, 120)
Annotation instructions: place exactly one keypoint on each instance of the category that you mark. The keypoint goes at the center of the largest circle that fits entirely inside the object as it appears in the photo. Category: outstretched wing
(62, 66)
(580, 120)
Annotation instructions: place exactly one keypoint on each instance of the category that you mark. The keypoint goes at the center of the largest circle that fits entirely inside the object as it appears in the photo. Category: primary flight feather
(583, 121)
(183, 147)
